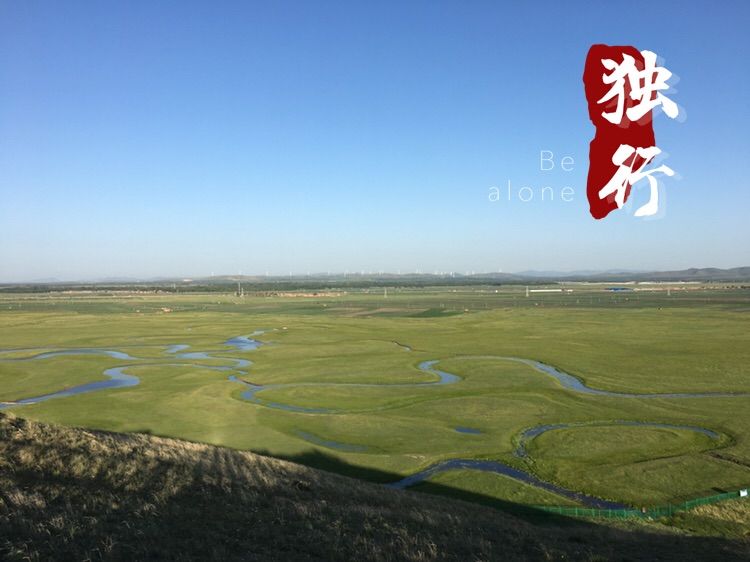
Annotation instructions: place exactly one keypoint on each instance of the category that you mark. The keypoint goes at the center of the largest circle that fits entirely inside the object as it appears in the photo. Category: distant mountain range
(579, 273)
(315, 280)
(691, 274)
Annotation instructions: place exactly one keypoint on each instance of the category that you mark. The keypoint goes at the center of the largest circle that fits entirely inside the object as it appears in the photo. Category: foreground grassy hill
(71, 494)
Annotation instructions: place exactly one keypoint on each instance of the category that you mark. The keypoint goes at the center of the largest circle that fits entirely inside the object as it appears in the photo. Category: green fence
(650, 512)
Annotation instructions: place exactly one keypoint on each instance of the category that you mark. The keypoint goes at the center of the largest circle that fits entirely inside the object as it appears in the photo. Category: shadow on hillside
(79, 494)
(626, 542)
(331, 463)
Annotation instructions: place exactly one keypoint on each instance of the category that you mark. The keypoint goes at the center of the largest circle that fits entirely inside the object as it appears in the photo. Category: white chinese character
(643, 84)
(626, 175)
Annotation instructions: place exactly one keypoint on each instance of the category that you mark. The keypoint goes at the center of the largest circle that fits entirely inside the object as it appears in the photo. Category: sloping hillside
(71, 494)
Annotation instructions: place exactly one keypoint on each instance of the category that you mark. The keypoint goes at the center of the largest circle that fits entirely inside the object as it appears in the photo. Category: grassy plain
(697, 339)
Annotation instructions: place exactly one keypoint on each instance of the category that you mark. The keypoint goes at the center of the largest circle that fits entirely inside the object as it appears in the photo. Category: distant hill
(697, 274)
(734, 274)
(313, 281)
(576, 273)
(692, 274)
(74, 494)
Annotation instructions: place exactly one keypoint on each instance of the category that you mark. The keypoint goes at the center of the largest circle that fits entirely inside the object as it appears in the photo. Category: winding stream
(577, 385)
(567, 381)
(528, 434)
(252, 389)
(117, 378)
(505, 470)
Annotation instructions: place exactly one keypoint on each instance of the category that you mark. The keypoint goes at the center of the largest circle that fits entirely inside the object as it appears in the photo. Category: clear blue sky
(185, 138)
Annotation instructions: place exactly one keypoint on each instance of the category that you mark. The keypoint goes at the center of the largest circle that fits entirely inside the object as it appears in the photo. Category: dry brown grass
(71, 494)
(734, 512)
(726, 519)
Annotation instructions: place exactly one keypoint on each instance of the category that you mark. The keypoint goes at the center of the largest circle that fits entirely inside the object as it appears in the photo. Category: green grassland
(695, 340)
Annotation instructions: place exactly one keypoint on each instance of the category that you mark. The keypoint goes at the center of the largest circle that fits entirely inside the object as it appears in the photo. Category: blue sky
(185, 138)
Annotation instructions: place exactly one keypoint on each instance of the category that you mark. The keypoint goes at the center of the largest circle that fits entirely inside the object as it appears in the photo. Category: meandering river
(116, 377)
